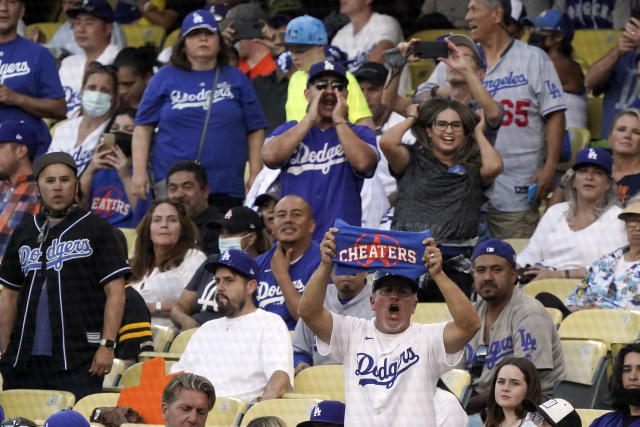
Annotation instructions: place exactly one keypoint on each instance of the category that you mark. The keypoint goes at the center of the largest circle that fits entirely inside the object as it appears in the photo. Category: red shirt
(265, 67)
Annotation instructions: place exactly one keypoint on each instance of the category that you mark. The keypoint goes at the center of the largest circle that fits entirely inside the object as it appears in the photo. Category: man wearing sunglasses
(324, 158)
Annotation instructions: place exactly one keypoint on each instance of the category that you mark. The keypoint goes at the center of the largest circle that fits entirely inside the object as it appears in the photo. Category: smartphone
(248, 30)
(431, 49)
(531, 192)
(108, 139)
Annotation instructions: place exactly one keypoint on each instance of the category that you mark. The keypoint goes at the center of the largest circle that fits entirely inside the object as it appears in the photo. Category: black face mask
(538, 40)
(123, 140)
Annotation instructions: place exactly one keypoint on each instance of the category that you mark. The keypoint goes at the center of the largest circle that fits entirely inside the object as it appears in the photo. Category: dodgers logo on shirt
(57, 253)
(13, 69)
(377, 251)
(181, 100)
(305, 159)
(386, 373)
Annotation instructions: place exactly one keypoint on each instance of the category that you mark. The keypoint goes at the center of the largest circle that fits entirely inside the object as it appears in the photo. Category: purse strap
(208, 116)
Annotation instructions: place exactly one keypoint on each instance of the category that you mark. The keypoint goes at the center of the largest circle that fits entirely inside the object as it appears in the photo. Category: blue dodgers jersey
(590, 13)
(177, 101)
(29, 69)
(108, 199)
(620, 92)
(318, 171)
(366, 249)
(269, 295)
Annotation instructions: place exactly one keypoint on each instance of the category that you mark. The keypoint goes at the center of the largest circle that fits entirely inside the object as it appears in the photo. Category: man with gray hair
(187, 400)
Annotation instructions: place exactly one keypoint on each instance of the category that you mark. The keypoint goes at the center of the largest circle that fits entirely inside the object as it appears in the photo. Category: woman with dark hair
(441, 179)
(515, 379)
(624, 390)
(165, 257)
(135, 68)
(180, 103)
(79, 136)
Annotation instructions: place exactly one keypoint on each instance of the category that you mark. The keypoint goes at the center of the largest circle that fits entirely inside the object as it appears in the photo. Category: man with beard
(323, 158)
(512, 324)
(624, 390)
(248, 351)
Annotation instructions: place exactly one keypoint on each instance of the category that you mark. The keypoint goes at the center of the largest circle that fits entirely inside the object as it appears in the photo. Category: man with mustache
(512, 324)
(323, 158)
(248, 351)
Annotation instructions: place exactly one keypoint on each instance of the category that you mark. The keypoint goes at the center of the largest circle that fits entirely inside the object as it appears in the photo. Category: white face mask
(95, 103)
(226, 243)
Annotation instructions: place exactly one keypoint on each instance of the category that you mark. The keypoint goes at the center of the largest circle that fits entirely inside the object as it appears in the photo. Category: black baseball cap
(240, 219)
(372, 72)
(382, 276)
(50, 158)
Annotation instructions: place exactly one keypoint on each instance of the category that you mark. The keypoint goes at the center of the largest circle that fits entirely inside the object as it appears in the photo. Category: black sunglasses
(323, 84)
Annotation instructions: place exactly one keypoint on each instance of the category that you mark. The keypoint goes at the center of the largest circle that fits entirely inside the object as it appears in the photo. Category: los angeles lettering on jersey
(509, 81)
(388, 372)
(57, 253)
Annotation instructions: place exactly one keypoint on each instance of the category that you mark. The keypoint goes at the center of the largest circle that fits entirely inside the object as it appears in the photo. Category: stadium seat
(556, 316)
(139, 35)
(591, 45)
(87, 404)
(291, 411)
(588, 415)
(131, 235)
(132, 374)
(226, 412)
(176, 348)
(585, 363)
(431, 312)
(610, 326)
(558, 287)
(594, 115)
(33, 404)
(579, 139)
(47, 28)
(517, 244)
(162, 337)
(458, 381)
(321, 379)
(171, 38)
(117, 369)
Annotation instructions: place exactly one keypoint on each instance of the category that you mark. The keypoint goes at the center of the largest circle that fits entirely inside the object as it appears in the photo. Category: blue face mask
(226, 243)
(95, 103)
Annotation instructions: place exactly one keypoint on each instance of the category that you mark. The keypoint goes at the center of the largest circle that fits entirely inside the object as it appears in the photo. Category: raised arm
(280, 264)
(276, 150)
(255, 140)
(600, 71)
(492, 164)
(391, 142)
(311, 306)
(466, 322)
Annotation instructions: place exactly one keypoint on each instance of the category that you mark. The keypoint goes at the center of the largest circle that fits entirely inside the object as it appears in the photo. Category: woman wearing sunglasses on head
(441, 179)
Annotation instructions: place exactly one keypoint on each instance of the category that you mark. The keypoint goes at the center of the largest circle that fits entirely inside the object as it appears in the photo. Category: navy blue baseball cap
(237, 260)
(326, 67)
(305, 30)
(199, 19)
(18, 131)
(327, 411)
(495, 247)
(593, 156)
(98, 8)
(552, 20)
(66, 418)
(381, 276)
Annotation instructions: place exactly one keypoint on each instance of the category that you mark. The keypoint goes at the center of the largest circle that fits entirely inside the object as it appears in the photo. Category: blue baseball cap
(66, 418)
(237, 260)
(327, 411)
(199, 19)
(98, 8)
(18, 131)
(219, 10)
(495, 247)
(593, 156)
(306, 30)
(552, 20)
(327, 67)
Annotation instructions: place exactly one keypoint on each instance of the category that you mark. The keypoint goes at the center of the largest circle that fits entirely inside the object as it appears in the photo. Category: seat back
(162, 337)
(226, 412)
(47, 28)
(556, 316)
(458, 381)
(595, 112)
(561, 288)
(321, 379)
(131, 235)
(171, 38)
(139, 35)
(180, 342)
(431, 312)
(117, 369)
(589, 415)
(591, 45)
(87, 404)
(35, 404)
(610, 326)
(291, 411)
(131, 376)
(517, 244)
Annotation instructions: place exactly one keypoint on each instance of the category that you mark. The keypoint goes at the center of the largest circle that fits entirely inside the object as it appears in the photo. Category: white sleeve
(390, 30)
(548, 86)
(344, 327)
(277, 353)
(449, 412)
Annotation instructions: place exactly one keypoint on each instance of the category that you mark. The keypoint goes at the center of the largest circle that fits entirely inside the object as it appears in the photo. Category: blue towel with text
(367, 249)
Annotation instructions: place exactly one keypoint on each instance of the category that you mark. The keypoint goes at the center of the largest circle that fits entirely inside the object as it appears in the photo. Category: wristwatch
(110, 344)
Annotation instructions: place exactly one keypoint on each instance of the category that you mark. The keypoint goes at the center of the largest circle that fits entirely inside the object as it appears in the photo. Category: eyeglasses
(442, 125)
(323, 84)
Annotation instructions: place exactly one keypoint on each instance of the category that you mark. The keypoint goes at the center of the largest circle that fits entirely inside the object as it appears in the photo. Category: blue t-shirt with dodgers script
(318, 171)
(108, 199)
(29, 69)
(176, 101)
(269, 295)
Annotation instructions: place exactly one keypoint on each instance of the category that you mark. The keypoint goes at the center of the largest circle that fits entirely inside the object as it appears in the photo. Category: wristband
(158, 307)
(339, 123)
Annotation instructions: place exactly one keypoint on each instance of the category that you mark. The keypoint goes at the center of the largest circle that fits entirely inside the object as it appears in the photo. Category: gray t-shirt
(523, 329)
